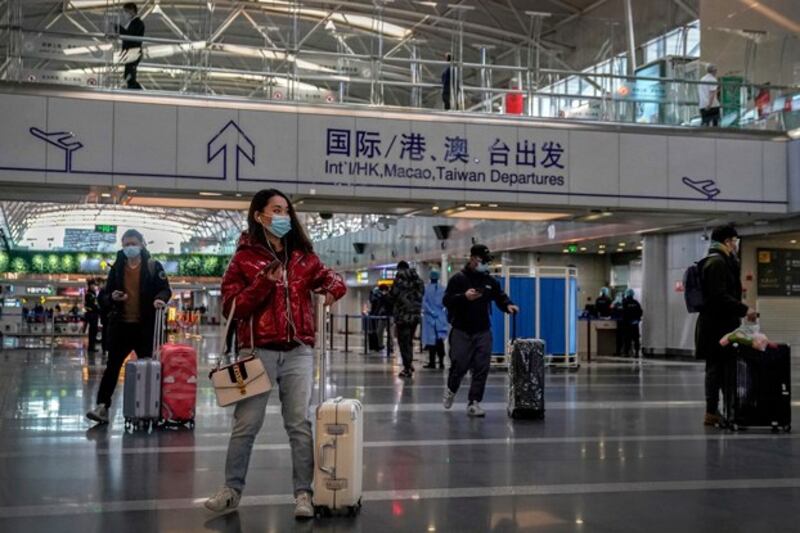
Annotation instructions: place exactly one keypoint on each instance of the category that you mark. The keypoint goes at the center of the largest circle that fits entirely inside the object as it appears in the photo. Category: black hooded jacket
(473, 316)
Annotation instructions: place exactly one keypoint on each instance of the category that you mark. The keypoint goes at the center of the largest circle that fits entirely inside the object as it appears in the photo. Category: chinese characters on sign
(411, 155)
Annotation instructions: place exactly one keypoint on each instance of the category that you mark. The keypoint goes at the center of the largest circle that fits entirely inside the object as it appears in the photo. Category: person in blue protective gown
(434, 322)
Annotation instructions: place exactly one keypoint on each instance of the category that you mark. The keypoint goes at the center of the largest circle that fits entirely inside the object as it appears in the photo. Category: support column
(631, 40)
(416, 92)
(655, 280)
(445, 267)
(486, 78)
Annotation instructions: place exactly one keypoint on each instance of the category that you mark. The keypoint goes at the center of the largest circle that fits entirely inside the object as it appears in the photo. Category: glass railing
(221, 68)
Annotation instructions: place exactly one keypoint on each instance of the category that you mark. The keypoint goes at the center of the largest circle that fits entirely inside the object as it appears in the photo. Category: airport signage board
(164, 143)
(778, 272)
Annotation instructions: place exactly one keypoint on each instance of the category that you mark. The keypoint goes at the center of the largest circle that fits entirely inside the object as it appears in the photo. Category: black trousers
(470, 352)
(405, 339)
(631, 339)
(434, 351)
(715, 376)
(125, 337)
(130, 74)
(710, 116)
(446, 99)
(92, 321)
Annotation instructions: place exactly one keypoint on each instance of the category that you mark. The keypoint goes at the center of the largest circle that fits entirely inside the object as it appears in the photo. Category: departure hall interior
(421, 266)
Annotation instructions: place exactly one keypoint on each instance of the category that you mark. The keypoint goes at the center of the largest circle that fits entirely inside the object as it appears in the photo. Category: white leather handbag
(244, 377)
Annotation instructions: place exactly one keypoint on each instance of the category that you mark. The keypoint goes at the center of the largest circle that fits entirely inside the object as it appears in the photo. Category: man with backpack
(713, 287)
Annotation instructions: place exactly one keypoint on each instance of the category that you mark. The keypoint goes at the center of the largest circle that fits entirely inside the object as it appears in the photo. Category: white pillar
(655, 282)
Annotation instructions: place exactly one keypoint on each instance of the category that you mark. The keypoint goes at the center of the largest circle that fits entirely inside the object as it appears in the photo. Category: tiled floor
(622, 449)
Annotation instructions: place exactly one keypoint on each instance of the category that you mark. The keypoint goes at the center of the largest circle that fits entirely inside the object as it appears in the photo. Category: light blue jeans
(292, 374)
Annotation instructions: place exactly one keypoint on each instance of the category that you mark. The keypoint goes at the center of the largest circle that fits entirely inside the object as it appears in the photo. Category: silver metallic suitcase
(141, 404)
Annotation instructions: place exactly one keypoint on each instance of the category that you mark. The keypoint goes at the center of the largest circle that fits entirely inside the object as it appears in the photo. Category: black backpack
(693, 287)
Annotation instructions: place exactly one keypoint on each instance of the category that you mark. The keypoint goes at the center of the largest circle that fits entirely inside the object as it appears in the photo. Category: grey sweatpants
(470, 352)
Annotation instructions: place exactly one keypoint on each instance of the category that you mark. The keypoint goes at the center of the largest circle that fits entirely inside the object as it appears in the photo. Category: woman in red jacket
(271, 279)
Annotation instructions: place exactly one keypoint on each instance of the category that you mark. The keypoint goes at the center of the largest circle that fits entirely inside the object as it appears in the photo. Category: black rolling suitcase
(758, 388)
(526, 378)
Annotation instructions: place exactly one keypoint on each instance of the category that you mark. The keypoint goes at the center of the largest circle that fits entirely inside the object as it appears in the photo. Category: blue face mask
(132, 251)
(280, 225)
(482, 268)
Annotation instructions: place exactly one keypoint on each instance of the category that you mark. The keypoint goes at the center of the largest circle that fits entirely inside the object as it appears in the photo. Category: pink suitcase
(178, 384)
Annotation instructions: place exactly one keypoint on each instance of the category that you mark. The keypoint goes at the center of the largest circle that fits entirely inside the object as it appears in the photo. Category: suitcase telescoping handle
(513, 327)
(322, 310)
(159, 332)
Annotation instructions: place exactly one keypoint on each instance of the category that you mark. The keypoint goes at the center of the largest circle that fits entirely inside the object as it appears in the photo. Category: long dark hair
(297, 239)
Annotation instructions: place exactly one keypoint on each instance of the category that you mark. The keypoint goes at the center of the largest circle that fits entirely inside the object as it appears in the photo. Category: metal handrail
(564, 101)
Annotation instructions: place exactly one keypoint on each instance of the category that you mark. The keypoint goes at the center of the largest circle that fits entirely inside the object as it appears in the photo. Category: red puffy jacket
(266, 301)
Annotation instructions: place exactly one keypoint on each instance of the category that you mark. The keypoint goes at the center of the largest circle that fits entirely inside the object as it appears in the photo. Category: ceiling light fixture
(205, 193)
(522, 216)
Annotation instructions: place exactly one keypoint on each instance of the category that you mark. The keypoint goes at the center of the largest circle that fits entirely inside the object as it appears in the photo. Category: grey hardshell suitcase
(141, 405)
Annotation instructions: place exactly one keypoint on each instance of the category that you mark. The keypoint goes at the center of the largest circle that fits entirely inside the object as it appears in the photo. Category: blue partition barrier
(555, 301)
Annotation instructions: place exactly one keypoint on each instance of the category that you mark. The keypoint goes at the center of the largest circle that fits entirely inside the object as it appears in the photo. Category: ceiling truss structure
(287, 48)
(216, 226)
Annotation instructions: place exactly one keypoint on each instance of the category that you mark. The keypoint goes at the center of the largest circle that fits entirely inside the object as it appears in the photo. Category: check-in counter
(596, 336)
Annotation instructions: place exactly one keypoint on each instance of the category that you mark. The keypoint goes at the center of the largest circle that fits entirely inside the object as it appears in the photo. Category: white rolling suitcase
(339, 444)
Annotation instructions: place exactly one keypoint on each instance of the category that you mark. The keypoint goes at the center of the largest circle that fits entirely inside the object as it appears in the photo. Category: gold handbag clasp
(239, 381)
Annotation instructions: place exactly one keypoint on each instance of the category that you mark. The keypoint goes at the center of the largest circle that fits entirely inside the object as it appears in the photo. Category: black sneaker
(404, 374)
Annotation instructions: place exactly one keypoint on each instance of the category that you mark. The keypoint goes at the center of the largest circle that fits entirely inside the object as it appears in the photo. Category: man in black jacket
(631, 315)
(447, 82)
(137, 285)
(722, 312)
(132, 26)
(468, 299)
(406, 300)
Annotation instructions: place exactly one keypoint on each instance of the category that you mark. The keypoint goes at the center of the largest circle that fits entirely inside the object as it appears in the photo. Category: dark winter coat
(134, 29)
(631, 311)
(723, 308)
(153, 285)
(406, 296)
(473, 317)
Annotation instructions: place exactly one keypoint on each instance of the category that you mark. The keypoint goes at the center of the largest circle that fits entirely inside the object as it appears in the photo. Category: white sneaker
(225, 499)
(98, 414)
(448, 397)
(474, 409)
(303, 508)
